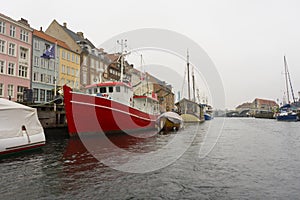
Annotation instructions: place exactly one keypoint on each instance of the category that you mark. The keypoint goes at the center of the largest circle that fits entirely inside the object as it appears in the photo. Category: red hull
(86, 113)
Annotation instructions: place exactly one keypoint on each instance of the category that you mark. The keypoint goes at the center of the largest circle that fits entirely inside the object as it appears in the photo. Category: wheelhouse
(117, 91)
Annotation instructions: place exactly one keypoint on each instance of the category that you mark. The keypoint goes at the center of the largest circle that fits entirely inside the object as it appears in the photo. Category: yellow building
(69, 68)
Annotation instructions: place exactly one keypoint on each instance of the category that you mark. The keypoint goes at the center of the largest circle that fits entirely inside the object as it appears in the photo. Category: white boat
(20, 128)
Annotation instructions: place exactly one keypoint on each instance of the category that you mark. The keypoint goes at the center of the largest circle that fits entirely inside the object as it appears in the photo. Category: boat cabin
(148, 104)
(186, 106)
(116, 91)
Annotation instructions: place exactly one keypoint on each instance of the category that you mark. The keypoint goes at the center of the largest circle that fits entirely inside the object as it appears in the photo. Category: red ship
(109, 107)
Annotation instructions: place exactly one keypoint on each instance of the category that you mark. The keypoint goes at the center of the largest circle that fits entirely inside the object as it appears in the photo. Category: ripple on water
(253, 159)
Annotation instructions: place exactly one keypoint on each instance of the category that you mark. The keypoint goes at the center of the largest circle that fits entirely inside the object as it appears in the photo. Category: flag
(49, 53)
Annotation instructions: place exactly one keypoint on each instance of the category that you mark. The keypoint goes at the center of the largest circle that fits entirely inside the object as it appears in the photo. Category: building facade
(50, 73)
(92, 60)
(68, 67)
(15, 57)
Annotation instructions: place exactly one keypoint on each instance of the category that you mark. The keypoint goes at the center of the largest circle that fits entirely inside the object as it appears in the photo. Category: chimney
(41, 29)
(65, 24)
(24, 21)
(80, 34)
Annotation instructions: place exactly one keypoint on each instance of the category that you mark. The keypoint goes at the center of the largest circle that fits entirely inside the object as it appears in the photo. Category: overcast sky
(245, 39)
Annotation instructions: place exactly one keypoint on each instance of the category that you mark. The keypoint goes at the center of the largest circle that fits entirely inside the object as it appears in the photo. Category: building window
(2, 27)
(35, 94)
(63, 54)
(49, 95)
(23, 71)
(68, 56)
(23, 53)
(35, 76)
(36, 61)
(46, 63)
(42, 77)
(2, 67)
(36, 44)
(51, 64)
(11, 49)
(24, 35)
(2, 46)
(72, 57)
(42, 95)
(10, 90)
(42, 63)
(11, 68)
(68, 70)
(48, 78)
(1, 90)
(76, 59)
(12, 31)
(63, 69)
(20, 90)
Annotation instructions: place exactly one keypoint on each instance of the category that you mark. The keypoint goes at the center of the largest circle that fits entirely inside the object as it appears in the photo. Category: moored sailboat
(287, 112)
(189, 110)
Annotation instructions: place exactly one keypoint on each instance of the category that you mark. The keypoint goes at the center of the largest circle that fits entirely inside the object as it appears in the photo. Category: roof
(76, 37)
(113, 57)
(107, 84)
(265, 101)
(27, 26)
(244, 105)
(49, 38)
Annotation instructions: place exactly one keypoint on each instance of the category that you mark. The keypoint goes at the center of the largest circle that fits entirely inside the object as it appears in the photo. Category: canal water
(252, 159)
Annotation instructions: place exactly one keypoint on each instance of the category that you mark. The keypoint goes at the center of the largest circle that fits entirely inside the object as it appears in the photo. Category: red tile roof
(266, 102)
(51, 39)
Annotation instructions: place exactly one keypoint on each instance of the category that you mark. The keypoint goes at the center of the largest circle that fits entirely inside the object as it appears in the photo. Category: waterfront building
(92, 62)
(263, 105)
(113, 70)
(63, 68)
(15, 57)
(146, 84)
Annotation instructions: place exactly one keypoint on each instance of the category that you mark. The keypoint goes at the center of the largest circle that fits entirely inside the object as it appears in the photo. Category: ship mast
(188, 73)
(193, 79)
(123, 44)
(288, 81)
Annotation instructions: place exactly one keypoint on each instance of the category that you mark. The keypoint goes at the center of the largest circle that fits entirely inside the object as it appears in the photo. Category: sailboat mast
(188, 73)
(193, 79)
(292, 91)
(286, 80)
